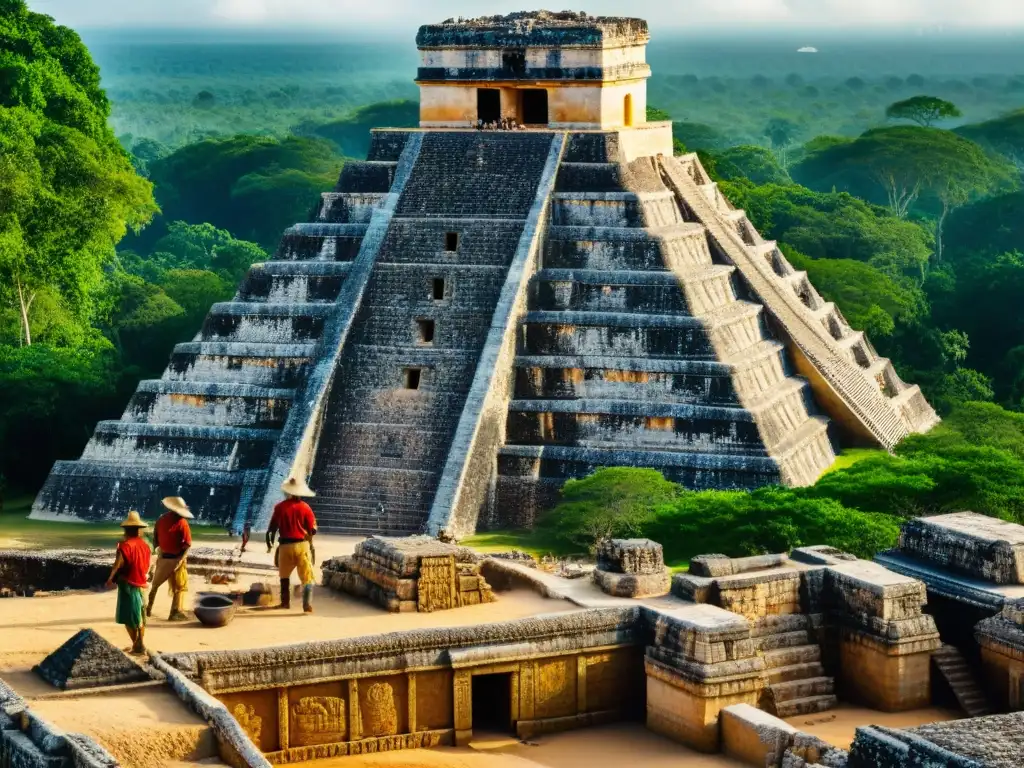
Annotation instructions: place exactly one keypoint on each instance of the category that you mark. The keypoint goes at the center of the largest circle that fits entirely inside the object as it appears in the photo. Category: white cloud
(405, 14)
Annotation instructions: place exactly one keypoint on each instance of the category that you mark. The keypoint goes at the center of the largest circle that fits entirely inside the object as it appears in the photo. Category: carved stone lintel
(282, 718)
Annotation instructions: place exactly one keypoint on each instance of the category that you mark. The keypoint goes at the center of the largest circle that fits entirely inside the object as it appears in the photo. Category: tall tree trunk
(938, 231)
(25, 304)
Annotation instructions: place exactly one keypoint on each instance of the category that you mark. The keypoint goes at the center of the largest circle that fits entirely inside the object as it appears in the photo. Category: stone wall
(413, 689)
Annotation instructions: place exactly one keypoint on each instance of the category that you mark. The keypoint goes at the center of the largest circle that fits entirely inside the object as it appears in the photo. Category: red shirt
(135, 553)
(172, 534)
(293, 519)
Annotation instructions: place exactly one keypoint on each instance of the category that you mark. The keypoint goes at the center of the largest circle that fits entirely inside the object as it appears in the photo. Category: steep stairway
(955, 670)
(797, 683)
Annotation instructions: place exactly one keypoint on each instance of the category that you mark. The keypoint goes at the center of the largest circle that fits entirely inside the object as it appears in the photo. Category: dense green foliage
(974, 460)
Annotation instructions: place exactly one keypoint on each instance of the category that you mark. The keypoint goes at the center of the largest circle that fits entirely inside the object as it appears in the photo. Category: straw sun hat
(177, 505)
(134, 521)
(294, 486)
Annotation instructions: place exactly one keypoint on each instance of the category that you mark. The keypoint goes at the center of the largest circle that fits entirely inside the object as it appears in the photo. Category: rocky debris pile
(89, 661)
(632, 568)
(516, 556)
(415, 573)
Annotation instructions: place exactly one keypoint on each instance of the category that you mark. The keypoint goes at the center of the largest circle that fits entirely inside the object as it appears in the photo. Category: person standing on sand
(294, 518)
(173, 537)
(130, 570)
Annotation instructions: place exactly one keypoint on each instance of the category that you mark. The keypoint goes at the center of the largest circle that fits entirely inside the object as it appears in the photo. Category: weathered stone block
(635, 556)
(633, 585)
(979, 545)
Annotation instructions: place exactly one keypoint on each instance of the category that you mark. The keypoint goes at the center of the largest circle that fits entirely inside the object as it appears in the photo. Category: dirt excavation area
(838, 726)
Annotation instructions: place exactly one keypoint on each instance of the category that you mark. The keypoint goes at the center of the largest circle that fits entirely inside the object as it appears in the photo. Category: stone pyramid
(474, 317)
(89, 661)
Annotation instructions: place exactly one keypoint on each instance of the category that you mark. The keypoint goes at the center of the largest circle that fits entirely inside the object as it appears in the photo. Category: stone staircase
(955, 670)
(797, 683)
(442, 265)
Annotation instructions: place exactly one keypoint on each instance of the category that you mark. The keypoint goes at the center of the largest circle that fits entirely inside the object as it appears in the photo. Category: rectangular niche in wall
(425, 330)
(451, 242)
(437, 289)
(412, 377)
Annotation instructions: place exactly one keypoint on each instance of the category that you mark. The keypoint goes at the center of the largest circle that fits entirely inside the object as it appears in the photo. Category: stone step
(787, 657)
(803, 671)
(793, 639)
(953, 667)
(808, 706)
(802, 689)
(773, 625)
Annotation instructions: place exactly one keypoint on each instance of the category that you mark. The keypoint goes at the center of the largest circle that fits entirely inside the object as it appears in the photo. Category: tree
(1004, 135)
(655, 115)
(923, 110)
(69, 191)
(750, 162)
(611, 503)
(251, 186)
(904, 163)
(781, 134)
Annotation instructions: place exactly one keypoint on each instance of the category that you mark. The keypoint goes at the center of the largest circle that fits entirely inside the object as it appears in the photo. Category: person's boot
(307, 598)
(286, 594)
(176, 613)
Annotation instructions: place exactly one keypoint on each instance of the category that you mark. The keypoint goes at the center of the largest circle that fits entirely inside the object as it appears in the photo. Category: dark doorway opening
(488, 104)
(492, 703)
(535, 107)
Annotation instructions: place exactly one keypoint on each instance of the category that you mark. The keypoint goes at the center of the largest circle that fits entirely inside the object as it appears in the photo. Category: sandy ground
(143, 728)
(621, 746)
(44, 623)
(839, 725)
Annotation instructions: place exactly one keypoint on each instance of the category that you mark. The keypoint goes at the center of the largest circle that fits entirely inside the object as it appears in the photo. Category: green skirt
(131, 605)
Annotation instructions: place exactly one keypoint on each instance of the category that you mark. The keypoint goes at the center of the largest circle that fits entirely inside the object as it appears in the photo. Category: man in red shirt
(296, 523)
(173, 537)
(130, 571)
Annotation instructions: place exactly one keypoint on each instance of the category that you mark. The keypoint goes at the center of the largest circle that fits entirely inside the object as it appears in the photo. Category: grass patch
(852, 456)
(532, 542)
(17, 530)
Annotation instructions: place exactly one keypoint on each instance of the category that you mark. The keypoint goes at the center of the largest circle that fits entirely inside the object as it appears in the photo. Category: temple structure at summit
(475, 316)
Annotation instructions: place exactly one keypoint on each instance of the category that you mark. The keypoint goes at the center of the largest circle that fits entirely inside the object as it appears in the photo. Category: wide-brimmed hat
(178, 506)
(295, 486)
(134, 521)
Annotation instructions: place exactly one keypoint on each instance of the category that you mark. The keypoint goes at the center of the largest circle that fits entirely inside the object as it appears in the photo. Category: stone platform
(410, 574)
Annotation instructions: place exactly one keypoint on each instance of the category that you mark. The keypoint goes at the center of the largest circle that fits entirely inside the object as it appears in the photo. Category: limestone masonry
(475, 316)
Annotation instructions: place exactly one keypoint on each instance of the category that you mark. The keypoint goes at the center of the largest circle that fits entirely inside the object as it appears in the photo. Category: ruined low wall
(54, 570)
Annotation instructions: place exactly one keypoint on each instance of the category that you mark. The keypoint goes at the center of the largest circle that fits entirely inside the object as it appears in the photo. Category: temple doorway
(535, 106)
(488, 104)
(492, 704)
(627, 111)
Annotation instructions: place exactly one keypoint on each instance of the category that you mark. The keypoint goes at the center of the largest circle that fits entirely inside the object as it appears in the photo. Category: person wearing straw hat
(130, 570)
(173, 537)
(295, 521)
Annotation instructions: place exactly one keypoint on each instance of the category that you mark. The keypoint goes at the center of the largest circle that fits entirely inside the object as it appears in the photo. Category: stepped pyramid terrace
(526, 288)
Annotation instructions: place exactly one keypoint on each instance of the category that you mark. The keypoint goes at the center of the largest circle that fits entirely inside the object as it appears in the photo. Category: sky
(666, 14)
